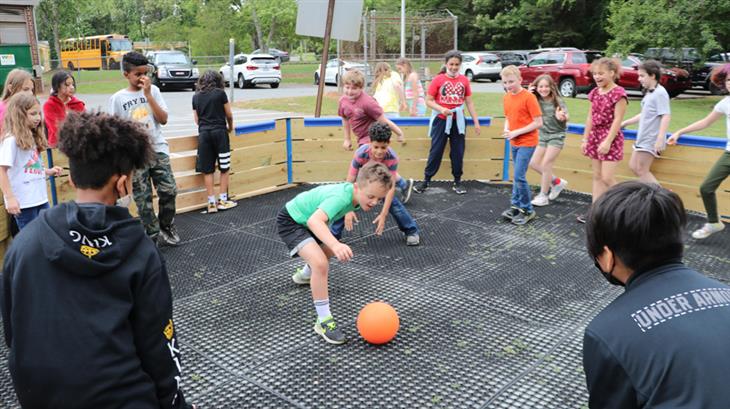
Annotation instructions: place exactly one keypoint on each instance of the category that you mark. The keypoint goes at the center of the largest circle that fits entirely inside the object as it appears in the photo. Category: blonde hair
(406, 63)
(16, 123)
(510, 70)
(611, 64)
(382, 71)
(14, 83)
(375, 172)
(553, 88)
(354, 77)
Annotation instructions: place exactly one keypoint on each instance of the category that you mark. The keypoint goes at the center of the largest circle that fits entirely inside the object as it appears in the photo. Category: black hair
(449, 55)
(209, 80)
(99, 145)
(379, 132)
(59, 79)
(132, 60)
(653, 68)
(641, 223)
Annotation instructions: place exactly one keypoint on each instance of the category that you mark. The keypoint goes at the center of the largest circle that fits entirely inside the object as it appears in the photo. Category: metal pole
(339, 68)
(402, 28)
(365, 38)
(231, 51)
(423, 48)
(456, 29)
(325, 56)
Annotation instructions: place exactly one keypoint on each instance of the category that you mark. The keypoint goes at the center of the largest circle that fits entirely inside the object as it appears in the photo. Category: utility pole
(402, 28)
(325, 57)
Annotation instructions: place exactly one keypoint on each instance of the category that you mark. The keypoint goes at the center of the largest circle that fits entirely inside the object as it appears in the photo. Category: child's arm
(634, 119)
(393, 127)
(663, 127)
(195, 117)
(473, 113)
(535, 124)
(347, 128)
(699, 125)
(413, 78)
(383, 216)
(618, 115)
(431, 102)
(12, 205)
(317, 224)
(157, 111)
(587, 130)
(54, 171)
(229, 115)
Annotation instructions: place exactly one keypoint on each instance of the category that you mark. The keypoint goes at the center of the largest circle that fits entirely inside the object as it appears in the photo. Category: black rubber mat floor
(492, 315)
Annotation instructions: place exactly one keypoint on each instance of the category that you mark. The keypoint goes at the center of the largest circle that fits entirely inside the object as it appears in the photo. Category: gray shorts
(556, 140)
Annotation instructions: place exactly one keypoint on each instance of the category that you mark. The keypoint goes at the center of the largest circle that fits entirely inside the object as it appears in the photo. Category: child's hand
(477, 128)
(509, 135)
(604, 147)
(403, 106)
(660, 145)
(12, 206)
(445, 111)
(414, 111)
(401, 138)
(342, 251)
(146, 84)
(54, 171)
(531, 88)
(347, 145)
(380, 220)
(584, 147)
(673, 139)
(350, 218)
(560, 115)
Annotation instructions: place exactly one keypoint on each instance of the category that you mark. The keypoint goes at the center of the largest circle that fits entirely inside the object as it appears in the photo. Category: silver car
(480, 65)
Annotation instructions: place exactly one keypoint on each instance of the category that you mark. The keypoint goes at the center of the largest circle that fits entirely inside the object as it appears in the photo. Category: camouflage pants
(159, 172)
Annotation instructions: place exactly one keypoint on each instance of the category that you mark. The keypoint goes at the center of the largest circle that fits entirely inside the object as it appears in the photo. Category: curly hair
(132, 60)
(99, 145)
(14, 83)
(379, 132)
(15, 122)
(210, 80)
(719, 75)
(374, 172)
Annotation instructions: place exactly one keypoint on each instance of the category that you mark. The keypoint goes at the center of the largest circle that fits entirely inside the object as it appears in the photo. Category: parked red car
(570, 69)
(674, 80)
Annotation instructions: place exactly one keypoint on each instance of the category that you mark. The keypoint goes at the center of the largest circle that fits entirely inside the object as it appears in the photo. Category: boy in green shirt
(303, 226)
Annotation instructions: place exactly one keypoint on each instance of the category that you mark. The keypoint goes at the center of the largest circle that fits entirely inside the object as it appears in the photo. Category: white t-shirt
(26, 173)
(134, 105)
(723, 107)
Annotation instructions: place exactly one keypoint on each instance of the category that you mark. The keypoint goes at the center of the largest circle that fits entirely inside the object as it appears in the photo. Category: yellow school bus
(94, 52)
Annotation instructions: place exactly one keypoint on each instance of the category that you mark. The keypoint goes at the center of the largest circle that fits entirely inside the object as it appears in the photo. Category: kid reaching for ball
(303, 226)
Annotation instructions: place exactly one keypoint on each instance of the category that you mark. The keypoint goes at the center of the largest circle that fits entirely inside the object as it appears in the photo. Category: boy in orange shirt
(523, 118)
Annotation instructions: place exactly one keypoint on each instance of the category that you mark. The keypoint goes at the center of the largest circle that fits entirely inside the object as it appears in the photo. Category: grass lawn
(294, 73)
(684, 111)
(93, 82)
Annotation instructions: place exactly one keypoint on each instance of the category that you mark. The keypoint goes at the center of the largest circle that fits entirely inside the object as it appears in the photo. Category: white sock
(306, 271)
(224, 196)
(211, 199)
(323, 308)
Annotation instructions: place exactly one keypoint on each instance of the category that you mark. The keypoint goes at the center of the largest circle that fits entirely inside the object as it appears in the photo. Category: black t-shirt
(209, 106)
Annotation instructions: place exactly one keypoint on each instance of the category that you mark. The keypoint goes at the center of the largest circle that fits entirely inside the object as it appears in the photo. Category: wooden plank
(257, 156)
(183, 162)
(183, 143)
(4, 224)
(259, 138)
(59, 159)
(247, 181)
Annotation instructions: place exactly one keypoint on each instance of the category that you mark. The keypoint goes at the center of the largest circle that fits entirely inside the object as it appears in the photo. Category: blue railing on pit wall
(686, 140)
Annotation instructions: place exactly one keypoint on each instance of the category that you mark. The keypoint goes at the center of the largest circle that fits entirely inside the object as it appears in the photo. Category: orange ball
(378, 322)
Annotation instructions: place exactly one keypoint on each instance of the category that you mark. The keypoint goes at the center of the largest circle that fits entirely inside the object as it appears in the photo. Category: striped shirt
(362, 157)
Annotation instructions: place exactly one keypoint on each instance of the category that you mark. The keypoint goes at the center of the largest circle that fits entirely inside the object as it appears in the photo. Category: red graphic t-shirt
(449, 92)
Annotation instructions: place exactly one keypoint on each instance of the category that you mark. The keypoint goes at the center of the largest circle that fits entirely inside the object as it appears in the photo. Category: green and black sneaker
(298, 278)
(329, 331)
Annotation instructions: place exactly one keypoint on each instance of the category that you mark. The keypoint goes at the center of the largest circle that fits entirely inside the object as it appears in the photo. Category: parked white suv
(253, 69)
(480, 65)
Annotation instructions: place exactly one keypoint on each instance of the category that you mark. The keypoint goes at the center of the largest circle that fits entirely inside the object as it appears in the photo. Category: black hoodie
(87, 313)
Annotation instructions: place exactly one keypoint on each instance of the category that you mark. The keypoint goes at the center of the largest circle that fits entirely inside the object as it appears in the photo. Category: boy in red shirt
(447, 95)
(523, 118)
(359, 110)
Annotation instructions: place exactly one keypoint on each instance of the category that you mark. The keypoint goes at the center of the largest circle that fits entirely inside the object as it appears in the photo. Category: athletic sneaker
(510, 213)
(421, 187)
(458, 188)
(298, 278)
(212, 208)
(540, 200)
(413, 239)
(168, 236)
(523, 217)
(408, 191)
(329, 331)
(226, 204)
(707, 230)
(556, 189)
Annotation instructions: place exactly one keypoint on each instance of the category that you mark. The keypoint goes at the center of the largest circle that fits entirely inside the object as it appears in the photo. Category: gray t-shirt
(134, 105)
(550, 124)
(653, 106)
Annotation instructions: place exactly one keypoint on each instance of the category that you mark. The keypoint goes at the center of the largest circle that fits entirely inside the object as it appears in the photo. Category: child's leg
(208, 180)
(403, 219)
(162, 177)
(522, 157)
(548, 160)
(318, 262)
(225, 178)
(142, 192)
(719, 172)
(438, 144)
(457, 144)
(536, 165)
(640, 164)
(603, 177)
(223, 150)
